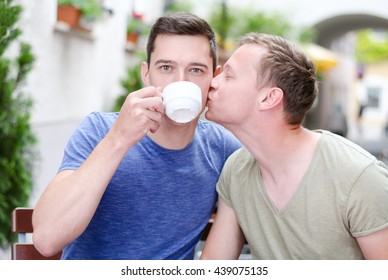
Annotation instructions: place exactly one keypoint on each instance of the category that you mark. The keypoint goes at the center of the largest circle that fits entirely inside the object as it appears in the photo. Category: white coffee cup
(182, 101)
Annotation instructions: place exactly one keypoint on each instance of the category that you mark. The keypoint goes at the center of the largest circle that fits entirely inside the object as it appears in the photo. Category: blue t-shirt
(158, 201)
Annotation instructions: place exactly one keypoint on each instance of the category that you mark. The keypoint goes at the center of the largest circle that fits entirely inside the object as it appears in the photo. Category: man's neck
(284, 162)
(174, 136)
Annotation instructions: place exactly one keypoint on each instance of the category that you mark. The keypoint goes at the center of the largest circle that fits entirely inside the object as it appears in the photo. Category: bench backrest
(23, 249)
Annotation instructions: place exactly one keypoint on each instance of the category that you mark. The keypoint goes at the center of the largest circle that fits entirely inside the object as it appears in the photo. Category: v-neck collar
(294, 198)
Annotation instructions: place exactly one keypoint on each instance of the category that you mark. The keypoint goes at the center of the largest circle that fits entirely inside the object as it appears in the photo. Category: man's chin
(207, 114)
(210, 116)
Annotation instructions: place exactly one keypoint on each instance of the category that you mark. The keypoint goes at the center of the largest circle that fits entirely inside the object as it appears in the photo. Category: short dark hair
(285, 66)
(182, 23)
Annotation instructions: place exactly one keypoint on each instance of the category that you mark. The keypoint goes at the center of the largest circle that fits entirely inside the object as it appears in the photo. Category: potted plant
(136, 27)
(68, 12)
(80, 13)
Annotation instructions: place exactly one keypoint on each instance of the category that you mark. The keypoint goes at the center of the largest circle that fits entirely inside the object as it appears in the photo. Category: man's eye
(197, 70)
(165, 67)
(227, 75)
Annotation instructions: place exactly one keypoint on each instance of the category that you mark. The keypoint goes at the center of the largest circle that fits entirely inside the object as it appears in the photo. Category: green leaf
(16, 136)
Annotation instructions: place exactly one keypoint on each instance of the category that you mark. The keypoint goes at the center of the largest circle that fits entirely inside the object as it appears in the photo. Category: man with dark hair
(136, 184)
(292, 193)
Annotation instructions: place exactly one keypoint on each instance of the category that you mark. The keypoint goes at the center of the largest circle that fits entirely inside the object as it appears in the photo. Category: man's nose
(214, 84)
(181, 75)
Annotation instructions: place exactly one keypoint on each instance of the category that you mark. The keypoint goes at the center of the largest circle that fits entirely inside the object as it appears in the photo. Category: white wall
(73, 75)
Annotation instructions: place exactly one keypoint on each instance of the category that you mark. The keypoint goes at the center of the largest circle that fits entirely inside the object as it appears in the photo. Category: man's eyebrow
(227, 68)
(167, 61)
(199, 64)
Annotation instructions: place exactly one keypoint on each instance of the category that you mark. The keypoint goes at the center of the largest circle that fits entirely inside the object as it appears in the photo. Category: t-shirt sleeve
(82, 142)
(368, 201)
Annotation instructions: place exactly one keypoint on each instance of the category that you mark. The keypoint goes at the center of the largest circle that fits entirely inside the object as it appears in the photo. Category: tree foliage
(230, 23)
(16, 137)
(369, 48)
(172, 6)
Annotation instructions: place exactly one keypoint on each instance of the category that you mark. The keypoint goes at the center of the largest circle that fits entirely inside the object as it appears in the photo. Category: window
(374, 96)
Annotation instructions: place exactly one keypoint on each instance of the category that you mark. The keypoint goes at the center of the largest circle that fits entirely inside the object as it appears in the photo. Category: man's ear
(144, 73)
(218, 71)
(273, 97)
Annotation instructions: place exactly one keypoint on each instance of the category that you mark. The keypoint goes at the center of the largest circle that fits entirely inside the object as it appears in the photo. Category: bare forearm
(67, 206)
(225, 239)
(219, 248)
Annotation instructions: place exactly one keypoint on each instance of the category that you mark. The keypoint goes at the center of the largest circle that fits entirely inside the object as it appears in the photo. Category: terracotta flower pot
(69, 15)
(132, 37)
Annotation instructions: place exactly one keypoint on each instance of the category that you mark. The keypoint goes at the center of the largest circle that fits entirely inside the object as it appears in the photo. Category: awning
(324, 59)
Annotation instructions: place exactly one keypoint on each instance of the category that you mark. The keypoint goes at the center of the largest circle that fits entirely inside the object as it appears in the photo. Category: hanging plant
(80, 13)
(136, 27)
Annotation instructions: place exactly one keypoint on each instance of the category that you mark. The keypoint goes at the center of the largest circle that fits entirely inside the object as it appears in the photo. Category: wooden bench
(23, 249)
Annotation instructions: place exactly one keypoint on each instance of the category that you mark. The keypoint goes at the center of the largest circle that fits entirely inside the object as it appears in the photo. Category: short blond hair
(285, 66)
